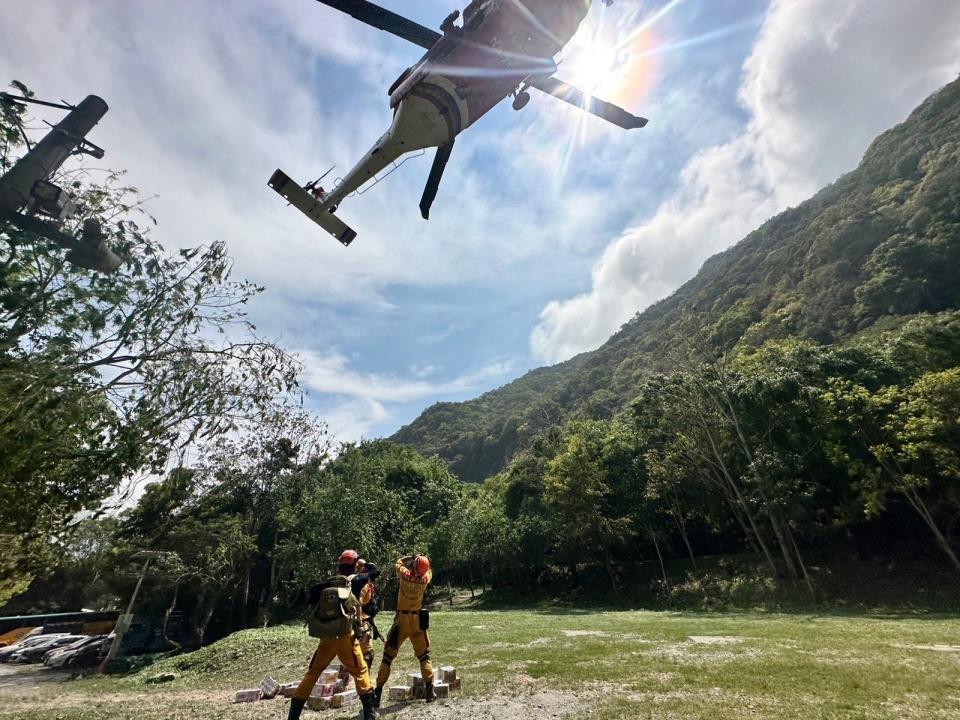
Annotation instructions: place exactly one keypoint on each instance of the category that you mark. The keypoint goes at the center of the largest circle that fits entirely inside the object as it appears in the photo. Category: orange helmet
(348, 557)
(421, 565)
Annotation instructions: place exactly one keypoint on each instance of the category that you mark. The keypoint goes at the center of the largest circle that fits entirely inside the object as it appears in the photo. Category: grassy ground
(601, 665)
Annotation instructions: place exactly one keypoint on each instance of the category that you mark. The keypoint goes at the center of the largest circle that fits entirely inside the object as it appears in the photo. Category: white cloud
(824, 78)
(363, 400)
(352, 419)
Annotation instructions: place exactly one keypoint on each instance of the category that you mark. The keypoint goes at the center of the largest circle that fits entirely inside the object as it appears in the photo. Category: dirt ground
(543, 705)
(16, 678)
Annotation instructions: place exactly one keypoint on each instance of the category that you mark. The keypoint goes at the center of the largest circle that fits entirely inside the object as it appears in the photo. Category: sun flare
(593, 66)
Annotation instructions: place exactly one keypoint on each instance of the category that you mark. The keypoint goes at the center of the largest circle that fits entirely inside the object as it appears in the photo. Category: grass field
(570, 664)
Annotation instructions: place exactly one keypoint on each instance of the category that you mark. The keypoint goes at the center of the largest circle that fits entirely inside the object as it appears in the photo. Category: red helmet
(348, 557)
(421, 565)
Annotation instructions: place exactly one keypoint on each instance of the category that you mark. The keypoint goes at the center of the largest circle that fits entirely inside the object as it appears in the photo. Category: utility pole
(126, 620)
(26, 190)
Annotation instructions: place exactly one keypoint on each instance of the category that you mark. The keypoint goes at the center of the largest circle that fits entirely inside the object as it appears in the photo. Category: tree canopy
(109, 375)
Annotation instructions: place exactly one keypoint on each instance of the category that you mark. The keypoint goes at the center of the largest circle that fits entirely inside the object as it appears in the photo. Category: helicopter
(500, 49)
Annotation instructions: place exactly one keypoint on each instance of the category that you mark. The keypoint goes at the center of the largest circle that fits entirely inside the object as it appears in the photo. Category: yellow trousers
(364, 636)
(406, 626)
(348, 650)
(365, 639)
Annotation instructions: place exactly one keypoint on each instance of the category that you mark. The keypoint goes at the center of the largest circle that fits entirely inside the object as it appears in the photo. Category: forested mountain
(880, 245)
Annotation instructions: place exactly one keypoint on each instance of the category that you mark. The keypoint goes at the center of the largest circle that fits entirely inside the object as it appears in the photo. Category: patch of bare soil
(933, 648)
(522, 707)
(715, 639)
(532, 643)
(16, 678)
(704, 650)
(913, 707)
(71, 698)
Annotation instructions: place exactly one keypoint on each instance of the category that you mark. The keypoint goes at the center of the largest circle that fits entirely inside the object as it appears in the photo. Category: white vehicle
(30, 641)
(35, 653)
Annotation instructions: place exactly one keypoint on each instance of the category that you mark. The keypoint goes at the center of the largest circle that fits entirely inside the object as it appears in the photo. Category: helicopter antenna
(311, 185)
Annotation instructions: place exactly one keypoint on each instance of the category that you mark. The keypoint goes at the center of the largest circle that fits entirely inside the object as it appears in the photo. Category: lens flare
(593, 66)
(622, 64)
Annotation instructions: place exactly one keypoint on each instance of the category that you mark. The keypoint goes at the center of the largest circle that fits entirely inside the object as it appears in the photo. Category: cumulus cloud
(823, 79)
(363, 400)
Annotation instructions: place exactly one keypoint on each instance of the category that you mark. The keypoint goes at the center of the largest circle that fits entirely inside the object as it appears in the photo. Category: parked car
(31, 641)
(57, 649)
(82, 652)
(35, 653)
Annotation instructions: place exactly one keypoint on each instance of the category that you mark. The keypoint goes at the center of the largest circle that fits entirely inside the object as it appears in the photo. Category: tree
(913, 435)
(577, 490)
(102, 376)
(376, 497)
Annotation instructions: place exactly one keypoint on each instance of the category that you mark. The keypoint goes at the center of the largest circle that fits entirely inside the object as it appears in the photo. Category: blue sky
(550, 230)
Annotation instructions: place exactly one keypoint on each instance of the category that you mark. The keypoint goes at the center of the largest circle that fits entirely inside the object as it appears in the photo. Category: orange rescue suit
(406, 624)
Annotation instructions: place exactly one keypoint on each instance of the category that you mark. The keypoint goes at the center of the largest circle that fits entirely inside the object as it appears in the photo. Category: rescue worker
(411, 622)
(369, 607)
(320, 195)
(337, 632)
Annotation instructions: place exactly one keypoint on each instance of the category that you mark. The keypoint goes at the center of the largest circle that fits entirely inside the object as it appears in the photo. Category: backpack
(334, 613)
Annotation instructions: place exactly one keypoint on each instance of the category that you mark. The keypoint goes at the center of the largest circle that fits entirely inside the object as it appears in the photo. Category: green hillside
(879, 245)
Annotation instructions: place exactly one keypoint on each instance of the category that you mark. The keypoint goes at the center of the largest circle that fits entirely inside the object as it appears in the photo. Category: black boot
(296, 707)
(378, 691)
(428, 694)
(368, 705)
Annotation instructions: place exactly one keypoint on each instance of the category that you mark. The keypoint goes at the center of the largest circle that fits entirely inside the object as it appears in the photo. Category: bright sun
(593, 66)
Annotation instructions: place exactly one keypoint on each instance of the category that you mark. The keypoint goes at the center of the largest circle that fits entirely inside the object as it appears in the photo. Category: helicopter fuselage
(469, 70)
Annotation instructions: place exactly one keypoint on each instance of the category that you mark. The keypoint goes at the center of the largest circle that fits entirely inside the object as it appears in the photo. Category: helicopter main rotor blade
(383, 19)
(578, 98)
(433, 181)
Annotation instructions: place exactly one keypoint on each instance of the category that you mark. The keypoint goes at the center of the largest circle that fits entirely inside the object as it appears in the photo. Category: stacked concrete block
(445, 680)
(269, 688)
(343, 699)
(330, 691)
(415, 681)
(319, 703)
(325, 690)
(401, 693)
(245, 696)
